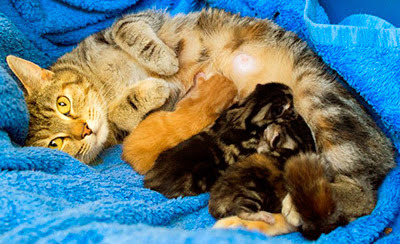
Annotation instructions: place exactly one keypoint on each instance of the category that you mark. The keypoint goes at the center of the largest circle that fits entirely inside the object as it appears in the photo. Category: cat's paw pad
(290, 213)
(150, 93)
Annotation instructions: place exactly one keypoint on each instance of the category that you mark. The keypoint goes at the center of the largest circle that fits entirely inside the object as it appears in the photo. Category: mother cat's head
(67, 112)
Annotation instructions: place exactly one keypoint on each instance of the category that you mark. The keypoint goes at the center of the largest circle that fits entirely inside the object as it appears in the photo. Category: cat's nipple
(243, 64)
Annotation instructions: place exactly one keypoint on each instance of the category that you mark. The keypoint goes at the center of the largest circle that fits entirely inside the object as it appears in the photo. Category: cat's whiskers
(80, 150)
(98, 105)
(86, 148)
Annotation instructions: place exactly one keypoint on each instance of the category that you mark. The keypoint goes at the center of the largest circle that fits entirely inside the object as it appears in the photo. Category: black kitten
(193, 166)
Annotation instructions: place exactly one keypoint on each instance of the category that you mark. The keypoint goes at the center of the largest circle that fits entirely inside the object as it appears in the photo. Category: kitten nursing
(193, 166)
(140, 55)
(224, 158)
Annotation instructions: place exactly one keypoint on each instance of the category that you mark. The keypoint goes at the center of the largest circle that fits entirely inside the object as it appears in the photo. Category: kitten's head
(286, 139)
(272, 102)
(66, 111)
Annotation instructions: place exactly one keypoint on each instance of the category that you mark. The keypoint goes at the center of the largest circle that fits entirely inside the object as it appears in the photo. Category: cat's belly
(250, 66)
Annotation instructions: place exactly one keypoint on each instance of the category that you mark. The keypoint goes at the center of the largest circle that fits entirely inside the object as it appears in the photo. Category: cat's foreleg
(136, 34)
(143, 97)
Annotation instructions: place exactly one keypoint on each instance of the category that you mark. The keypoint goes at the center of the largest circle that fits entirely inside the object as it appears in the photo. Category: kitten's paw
(141, 166)
(264, 216)
(279, 227)
(229, 222)
(150, 93)
(290, 212)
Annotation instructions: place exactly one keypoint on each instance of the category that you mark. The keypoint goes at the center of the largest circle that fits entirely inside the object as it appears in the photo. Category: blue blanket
(47, 196)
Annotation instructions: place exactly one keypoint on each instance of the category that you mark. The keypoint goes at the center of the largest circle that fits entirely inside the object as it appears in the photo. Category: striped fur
(151, 44)
(312, 194)
(194, 165)
(348, 141)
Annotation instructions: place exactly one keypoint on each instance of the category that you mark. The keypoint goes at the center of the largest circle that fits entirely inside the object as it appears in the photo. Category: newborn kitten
(193, 166)
(255, 186)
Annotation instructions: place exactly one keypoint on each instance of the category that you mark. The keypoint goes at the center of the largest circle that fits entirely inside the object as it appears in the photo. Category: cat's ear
(31, 75)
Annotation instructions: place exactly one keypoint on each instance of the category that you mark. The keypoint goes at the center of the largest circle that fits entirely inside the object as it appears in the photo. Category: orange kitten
(197, 110)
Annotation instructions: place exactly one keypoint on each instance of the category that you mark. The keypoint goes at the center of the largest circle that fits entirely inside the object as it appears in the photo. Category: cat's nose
(86, 130)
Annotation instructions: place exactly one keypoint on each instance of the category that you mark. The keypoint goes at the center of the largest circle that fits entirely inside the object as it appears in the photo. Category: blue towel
(47, 196)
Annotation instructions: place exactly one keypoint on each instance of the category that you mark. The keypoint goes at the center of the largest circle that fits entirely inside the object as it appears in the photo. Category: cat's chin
(100, 134)
(96, 141)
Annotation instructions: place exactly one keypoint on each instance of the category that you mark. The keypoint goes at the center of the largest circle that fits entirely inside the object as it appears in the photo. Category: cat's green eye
(56, 143)
(64, 105)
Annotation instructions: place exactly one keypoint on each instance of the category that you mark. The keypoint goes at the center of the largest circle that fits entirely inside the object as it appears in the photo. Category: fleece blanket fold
(47, 196)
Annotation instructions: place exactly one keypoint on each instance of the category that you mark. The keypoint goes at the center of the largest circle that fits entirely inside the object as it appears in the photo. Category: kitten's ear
(31, 75)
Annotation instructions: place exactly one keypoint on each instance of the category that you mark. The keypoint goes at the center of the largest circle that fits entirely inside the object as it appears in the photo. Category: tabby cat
(148, 47)
(193, 166)
(352, 151)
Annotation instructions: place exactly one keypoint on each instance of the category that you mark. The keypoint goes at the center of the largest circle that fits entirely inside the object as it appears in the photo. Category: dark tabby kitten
(249, 191)
(193, 166)
(254, 187)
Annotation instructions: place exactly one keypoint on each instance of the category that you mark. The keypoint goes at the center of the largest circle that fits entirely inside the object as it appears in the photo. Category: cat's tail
(311, 197)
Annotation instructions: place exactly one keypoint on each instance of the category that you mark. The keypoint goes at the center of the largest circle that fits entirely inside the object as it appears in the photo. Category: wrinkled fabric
(47, 196)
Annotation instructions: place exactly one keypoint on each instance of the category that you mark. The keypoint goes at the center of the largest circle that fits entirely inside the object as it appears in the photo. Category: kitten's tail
(311, 195)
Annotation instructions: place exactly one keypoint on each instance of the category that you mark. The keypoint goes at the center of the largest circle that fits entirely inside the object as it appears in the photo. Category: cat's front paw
(149, 94)
(168, 62)
(289, 212)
